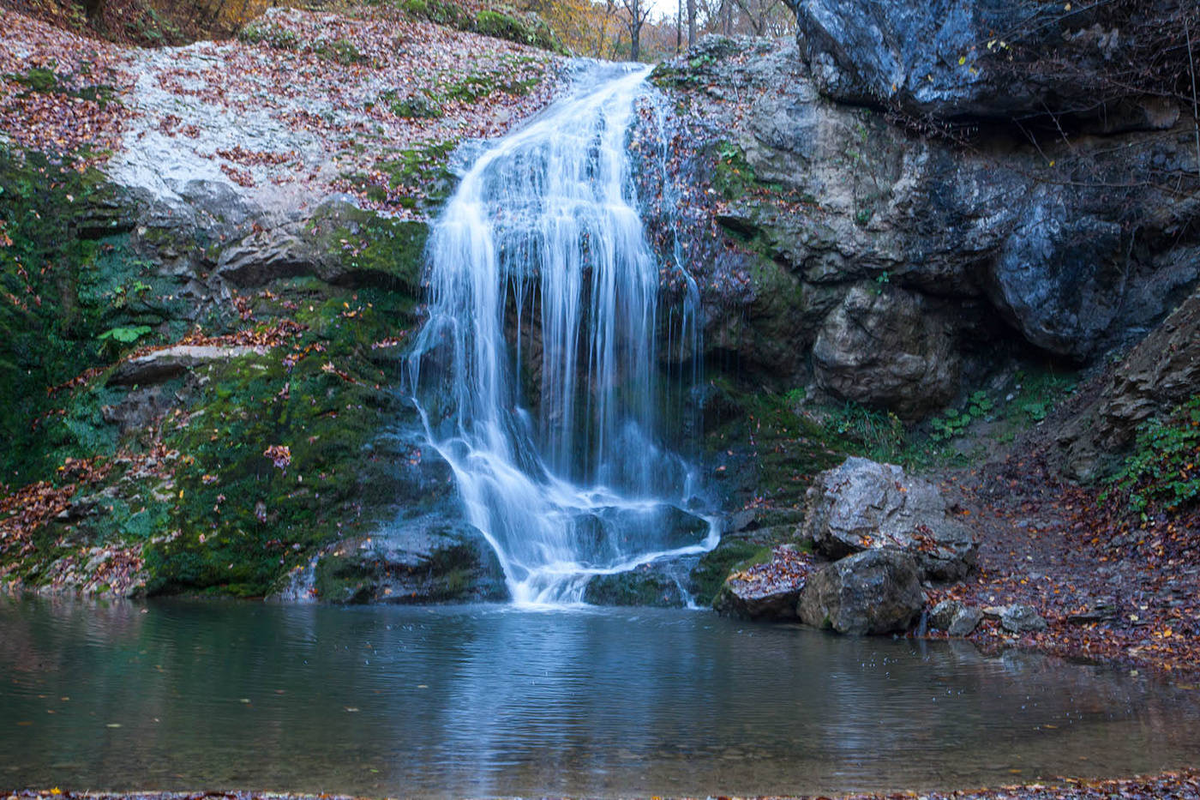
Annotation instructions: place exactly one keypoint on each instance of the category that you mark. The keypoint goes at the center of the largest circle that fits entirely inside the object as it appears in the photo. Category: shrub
(1164, 468)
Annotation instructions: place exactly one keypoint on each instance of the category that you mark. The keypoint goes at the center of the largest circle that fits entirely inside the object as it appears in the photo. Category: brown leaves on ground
(308, 104)
(75, 109)
(1111, 585)
(1182, 785)
(31, 506)
(786, 571)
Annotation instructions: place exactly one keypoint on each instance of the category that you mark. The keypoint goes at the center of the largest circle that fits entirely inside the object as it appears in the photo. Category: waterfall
(538, 372)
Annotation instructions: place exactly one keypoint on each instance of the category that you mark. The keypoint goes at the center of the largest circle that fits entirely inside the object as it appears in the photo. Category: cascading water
(537, 371)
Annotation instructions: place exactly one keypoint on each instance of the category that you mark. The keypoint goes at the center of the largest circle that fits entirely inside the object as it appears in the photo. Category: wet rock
(1021, 619)
(644, 586)
(876, 591)
(863, 505)
(884, 348)
(1162, 371)
(955, 618)
(428, 559)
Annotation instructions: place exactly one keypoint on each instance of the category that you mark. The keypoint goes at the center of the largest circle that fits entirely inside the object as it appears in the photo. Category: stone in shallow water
(955, 618)
(766, 591)
(647, 585)
(876, 591)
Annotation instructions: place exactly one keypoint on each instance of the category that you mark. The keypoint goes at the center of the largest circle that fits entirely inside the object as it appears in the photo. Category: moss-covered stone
(708, 576)
(69, 275)
(644, 586)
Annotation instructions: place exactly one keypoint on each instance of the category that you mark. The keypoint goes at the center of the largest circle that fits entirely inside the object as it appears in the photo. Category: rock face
(876, 591)
(884, 348)
(1060, 276)
(1162, 371)
(902, 264)
(952, 58)
(646, 586)
(424, 560)
(1021, 619)
(863, 506)
(162, 365)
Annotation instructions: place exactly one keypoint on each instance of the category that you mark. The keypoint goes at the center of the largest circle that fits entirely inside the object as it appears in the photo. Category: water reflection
(492, 701)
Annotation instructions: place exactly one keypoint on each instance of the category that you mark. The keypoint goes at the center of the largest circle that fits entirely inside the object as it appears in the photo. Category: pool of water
(470, 701)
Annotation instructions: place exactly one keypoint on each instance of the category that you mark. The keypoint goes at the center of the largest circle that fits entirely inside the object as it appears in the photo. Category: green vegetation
(730, 555)
(260, 32)
(412, 106)
(525, 29)
(64, 253)
(733, 176)
(956, 421)
(1163, 471)
(342, 51)
(44, 80)
(417, 177)
(640, 587)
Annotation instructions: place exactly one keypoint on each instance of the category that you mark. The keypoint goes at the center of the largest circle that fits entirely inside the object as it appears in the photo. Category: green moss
(439, 12)
(264, 32)
(714, 567)
(372, 249)
(639, 587)
(528, 29)
(412, 106)
(343, 51)
(343, 579)
(414, 178)
(44, 80)
(69, 275)
(531, 31)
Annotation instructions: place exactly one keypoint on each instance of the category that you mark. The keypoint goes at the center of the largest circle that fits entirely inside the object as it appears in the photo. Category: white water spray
(537, 372)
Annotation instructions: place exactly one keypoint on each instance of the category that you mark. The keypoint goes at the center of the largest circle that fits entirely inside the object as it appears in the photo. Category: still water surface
(471, 701)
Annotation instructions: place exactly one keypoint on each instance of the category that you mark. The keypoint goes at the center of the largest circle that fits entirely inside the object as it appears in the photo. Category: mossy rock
(708, 576)
(644, 586)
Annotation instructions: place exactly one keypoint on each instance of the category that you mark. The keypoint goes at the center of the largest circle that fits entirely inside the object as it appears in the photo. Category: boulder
(955, 618)
(882, 347)
(648, 585)
(427, 559)
(1059, 277)
(862, 505)
(770, 590)
(877, 591)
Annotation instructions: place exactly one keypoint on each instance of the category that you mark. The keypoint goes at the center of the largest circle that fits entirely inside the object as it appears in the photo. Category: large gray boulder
(863, 505)
(883, 348)
(1060, 276)
(876, 591)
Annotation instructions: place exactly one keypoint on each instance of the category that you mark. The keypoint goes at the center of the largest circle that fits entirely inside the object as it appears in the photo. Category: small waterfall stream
(537, 372)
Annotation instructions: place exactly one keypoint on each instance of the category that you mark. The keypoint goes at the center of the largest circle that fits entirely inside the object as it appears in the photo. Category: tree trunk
(691, 14)
(635, 29)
